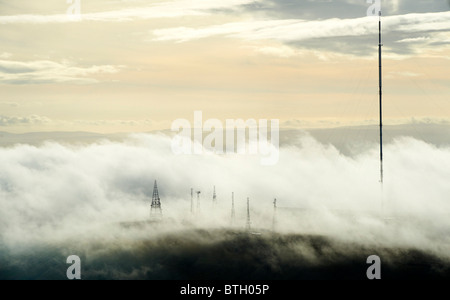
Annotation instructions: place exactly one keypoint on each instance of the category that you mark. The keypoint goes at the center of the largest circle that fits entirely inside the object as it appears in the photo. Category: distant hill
(222, 254)
(38, 138)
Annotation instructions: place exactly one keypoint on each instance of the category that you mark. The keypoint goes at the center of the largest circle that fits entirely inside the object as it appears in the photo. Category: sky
(136, 66)
(122, 66)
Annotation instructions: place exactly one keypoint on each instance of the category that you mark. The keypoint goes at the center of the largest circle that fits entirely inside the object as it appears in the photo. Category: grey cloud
(15, 68)
(406, 6)
(325, 9)
(309, 10)
(366, 45)
(6, 121)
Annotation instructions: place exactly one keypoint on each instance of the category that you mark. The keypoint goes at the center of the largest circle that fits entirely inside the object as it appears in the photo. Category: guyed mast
(380, 45)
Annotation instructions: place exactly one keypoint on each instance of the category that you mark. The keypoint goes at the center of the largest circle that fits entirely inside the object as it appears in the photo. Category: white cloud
(402, 74)
(5, 55)
(414, 40)
(45, 71)
(284, 51)
(298, 30)
(55, 192)
(167, 9)
(280, 51)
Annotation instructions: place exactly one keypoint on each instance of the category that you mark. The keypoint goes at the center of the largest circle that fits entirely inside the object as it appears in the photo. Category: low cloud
(76, 196)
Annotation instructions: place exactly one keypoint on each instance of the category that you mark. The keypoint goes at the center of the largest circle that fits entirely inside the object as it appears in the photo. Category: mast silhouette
(380, 63)
(192, 201)
(248, 225)
(233, 215)
(155, 207)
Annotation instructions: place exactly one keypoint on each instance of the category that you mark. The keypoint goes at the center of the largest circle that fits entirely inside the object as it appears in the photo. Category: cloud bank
(75, 197)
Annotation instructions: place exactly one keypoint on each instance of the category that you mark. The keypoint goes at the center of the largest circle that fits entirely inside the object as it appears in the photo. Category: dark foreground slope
(220, 254)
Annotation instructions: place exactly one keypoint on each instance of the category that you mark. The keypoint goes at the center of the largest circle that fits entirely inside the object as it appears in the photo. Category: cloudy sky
(135, 65)
(138, 65)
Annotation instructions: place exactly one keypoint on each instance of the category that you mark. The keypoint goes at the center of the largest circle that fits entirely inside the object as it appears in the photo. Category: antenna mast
(248, 225)
(274, 221)
(214, 197)
(381, 97)
(155, 208)
(232, 209)
(198, 201)
(192, 200)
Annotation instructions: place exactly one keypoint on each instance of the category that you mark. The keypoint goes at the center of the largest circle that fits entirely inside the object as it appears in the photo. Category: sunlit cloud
(297, 30)
(5, 55)
(45, 71)
(168, 9)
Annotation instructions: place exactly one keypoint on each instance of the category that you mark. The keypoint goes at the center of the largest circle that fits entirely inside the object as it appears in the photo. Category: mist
(61, 199)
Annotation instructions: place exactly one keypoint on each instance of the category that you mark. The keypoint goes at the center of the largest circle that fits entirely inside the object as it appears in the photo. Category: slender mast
(232, 209)
(192, 200)
(381, 98)
(248, 225)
